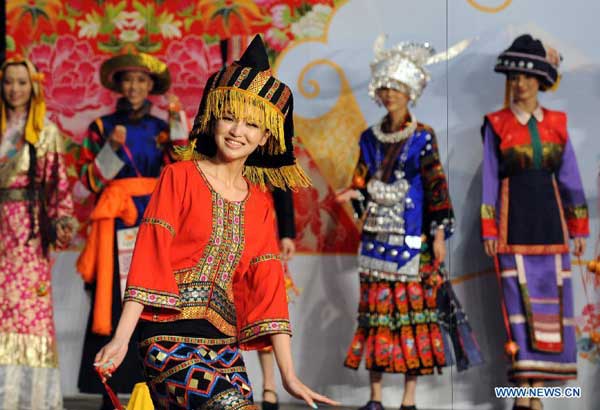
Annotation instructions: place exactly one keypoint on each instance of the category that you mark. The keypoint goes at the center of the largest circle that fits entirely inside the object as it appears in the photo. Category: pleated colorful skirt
(195, 373)
(397, 326)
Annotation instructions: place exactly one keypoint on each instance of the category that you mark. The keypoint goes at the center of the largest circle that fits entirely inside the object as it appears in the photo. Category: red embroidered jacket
(200, 256)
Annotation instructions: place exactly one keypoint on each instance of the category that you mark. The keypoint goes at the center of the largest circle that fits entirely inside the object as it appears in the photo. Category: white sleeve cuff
(108, 163)
(178, 130)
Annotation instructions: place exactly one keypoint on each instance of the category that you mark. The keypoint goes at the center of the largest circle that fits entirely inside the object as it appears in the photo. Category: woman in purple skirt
(533, 202)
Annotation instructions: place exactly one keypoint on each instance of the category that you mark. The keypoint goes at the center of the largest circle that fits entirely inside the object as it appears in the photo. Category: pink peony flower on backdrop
(191, 62)
(72, 83)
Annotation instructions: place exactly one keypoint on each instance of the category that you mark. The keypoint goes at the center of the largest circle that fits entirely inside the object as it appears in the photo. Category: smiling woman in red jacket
(205, 278)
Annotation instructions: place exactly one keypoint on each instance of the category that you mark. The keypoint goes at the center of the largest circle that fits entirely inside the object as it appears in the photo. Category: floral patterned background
(69, 40)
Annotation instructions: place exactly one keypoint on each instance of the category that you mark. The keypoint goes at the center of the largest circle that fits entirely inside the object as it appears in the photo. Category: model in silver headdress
(402, 67)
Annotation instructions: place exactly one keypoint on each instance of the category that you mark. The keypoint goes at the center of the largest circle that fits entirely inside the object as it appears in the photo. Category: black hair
(37, 194)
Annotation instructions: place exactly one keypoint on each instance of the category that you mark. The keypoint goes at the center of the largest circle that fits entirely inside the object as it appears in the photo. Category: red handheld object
(113, 396)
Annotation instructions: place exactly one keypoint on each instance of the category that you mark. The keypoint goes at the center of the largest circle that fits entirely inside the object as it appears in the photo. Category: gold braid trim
(239, 103)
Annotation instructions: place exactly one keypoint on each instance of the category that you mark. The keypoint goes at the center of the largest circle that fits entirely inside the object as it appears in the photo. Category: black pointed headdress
(249, 82)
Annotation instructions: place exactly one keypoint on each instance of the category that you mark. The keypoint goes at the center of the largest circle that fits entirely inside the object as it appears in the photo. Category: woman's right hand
(110, 357)
(490, 246)
(117, 137)
(299, 390)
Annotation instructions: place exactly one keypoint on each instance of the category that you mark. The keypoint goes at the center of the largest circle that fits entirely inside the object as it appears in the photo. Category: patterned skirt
(196, 373)
(397, 326)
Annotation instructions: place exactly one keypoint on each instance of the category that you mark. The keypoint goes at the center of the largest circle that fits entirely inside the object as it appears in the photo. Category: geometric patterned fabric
(196, 373)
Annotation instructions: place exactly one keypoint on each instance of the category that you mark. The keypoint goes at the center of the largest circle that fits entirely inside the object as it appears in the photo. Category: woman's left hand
(578, 246)
(288, 248)
(439, 246)
(296, 388)
(64, 235)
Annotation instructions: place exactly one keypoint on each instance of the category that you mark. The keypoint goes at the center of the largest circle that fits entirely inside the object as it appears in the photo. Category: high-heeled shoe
(404, 407)
(267, 405)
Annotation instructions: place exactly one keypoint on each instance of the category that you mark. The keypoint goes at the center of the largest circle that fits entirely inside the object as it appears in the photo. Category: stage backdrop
(322, 48)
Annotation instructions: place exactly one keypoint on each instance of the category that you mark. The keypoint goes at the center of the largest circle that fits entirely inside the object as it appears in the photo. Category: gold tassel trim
(289, 176)
(249, 106)
(27, 350)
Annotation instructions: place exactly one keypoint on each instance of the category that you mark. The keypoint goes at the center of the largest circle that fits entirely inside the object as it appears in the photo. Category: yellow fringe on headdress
(556, 84)
(37, 105)
(185, 152)
(249, 106)
(289, 176)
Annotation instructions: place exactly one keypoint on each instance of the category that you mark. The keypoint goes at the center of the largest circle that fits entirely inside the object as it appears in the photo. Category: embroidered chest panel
(515, 141)
(206, 290)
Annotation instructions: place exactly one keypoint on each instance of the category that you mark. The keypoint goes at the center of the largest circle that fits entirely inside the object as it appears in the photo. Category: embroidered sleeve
(59, 203)
(261, 301)
(151, 281)
(491, 184)
(438, 212)
(572, 194)
(98, 163)
(264, 328)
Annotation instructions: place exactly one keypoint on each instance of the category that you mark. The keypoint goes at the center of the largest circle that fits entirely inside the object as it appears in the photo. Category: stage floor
(93, 403)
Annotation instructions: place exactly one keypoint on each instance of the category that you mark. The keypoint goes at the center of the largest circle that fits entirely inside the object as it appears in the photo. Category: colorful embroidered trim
(231, 400)
(160, 222)
(185, 339)
(264, 258)
(264, 328)
(152, 298)
(576, 212)
(488, 212)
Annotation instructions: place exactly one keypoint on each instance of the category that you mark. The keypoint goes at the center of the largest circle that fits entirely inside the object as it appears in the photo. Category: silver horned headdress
(402, 67)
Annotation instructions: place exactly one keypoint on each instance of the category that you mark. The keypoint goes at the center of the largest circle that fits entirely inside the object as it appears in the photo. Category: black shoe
(372, 405)
(267, 405)
(106, 403)
(403, 407)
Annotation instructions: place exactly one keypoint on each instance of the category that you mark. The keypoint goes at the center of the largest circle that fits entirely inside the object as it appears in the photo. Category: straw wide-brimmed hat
(135, 62)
